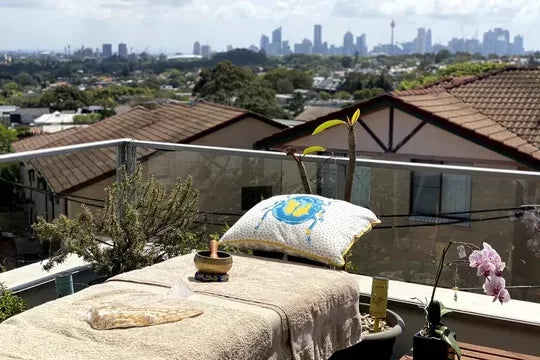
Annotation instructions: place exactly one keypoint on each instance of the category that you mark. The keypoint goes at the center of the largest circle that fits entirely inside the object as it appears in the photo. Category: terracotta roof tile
(503, 105)
(170, 123)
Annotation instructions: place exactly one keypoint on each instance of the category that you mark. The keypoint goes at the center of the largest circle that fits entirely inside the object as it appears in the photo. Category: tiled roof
(503, 105)
(36, 142)
(177, 123)
(498, 109)
(313, 112)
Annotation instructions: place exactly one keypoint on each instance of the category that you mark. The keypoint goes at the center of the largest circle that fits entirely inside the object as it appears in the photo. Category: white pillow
(309, 226)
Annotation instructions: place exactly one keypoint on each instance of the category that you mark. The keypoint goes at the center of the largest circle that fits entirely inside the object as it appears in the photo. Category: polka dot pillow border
(309, 226)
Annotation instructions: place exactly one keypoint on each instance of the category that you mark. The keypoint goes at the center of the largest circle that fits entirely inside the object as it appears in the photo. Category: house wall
(429, 143)
(240, 135)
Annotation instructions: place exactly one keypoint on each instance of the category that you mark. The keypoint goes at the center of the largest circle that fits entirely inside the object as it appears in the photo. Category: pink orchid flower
(491, 254)
(503, 296)
(486, 268)
(494, 286)
(476, 258)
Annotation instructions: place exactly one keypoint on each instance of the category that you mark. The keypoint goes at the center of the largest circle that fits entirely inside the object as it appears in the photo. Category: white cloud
(500, 10)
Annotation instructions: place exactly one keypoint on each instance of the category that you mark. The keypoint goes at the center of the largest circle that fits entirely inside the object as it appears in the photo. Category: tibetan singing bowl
(206, 264)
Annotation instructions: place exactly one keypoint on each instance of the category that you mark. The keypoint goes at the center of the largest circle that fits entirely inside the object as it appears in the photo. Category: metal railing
(127, 149)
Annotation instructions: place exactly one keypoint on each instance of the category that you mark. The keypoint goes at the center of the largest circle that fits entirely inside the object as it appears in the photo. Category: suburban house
(56, 121)
(487, 121)
(26, 116)
(63, 182)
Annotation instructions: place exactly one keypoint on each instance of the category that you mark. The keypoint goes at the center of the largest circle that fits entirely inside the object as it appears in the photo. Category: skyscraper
(420, 41)
(348, 44)
(264, 43)
(122, 50)
(275, 46)
(205, 50)
(285, 48)
(361, 46)
(106, 50)
(429, 44)
(317, 39)
(496, 41)
(305, 47)
(197, 48)
(518, 45)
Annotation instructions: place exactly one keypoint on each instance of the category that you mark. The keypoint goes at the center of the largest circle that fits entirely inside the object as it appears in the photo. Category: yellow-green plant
(350, 124)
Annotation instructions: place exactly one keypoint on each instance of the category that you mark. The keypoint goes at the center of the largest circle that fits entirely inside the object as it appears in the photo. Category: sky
(171, 26)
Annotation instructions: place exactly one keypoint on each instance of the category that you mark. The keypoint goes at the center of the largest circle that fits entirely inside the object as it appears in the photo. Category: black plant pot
(431, 348)
(374, 346)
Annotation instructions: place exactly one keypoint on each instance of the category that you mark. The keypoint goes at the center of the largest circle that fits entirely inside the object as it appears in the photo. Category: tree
(64, 98)
(365, 94)
(9, 172)
(10, 304)
(453, 70)
(141, 224)
(284, 86)
(346, 62)
(7, 136)
(236, 86)
(342, 95)
(297, 104)
(25, 79)
(324, 95)
(298, 79)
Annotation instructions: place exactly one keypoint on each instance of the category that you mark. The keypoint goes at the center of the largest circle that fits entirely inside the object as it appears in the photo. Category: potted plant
(436, 341)
(141, 224)
(374, 345)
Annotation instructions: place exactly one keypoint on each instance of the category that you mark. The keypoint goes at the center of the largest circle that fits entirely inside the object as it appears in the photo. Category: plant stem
(351, 166)
(439, 270)
(301, 169)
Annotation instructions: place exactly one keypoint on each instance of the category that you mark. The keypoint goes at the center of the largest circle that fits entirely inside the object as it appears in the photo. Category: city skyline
(172, 26)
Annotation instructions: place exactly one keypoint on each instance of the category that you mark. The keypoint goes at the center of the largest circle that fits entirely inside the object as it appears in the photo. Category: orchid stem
(439, 270)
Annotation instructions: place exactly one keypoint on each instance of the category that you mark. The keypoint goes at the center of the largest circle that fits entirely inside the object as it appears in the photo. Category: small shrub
(10, 304)
(141, 224)
(86, 118)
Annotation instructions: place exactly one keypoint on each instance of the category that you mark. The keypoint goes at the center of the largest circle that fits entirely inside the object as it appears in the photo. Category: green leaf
(355, 117)
(448, 337)
(327, 125)
(444, 311)
(312, 149)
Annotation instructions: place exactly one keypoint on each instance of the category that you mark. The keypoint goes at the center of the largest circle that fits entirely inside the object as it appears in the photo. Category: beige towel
(318, 306)
(58, 330)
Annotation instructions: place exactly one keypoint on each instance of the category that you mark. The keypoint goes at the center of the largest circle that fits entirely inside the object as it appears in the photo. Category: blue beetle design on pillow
(297, 210)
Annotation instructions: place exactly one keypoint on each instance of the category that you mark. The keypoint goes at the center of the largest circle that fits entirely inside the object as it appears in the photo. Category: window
(434, 194)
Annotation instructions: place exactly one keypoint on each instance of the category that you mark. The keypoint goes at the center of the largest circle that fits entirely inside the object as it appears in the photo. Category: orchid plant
(489, 266)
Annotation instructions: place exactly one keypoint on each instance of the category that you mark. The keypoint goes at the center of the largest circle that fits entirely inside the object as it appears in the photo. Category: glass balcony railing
(422, 206)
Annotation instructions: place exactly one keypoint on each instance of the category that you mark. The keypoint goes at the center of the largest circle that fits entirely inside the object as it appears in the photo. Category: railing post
(126, 157)
(126, 163)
